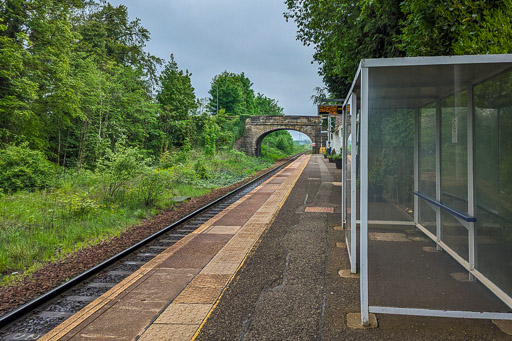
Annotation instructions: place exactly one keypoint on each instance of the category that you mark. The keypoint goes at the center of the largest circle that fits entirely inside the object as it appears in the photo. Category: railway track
(36, 318)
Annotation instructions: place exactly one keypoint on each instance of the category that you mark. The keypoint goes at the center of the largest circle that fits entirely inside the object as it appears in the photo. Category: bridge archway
(259, 140)
(257, 127)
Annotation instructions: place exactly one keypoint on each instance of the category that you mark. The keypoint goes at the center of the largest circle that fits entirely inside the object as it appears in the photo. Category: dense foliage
(177, 99)
(83, 207)
(280, 144)
(75, 81)
(93, 137)
(23, 168)
(344, 32)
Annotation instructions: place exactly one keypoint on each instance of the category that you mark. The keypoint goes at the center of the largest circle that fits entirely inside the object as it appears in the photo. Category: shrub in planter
(338, 159)
(332, 156)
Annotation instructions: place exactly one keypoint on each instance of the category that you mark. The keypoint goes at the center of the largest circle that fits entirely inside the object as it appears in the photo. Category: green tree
(17, 120)
(234, 94)
(176, 98)
(52, 40)
(343, 32)
(456, 27)
(108, 34)
(281, 140)
(267, 106)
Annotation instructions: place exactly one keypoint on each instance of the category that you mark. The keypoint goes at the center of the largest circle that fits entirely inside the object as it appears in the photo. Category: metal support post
(353, 185)
(329, 132)
(365, 318)
(471, 192)
(438, 174)
(344, 171)
(416, 164)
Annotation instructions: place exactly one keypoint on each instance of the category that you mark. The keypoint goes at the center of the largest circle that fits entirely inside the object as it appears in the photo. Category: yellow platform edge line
(76, 319)
(256, 243)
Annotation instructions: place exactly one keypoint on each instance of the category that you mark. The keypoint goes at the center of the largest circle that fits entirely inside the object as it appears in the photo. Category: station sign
(330, 109)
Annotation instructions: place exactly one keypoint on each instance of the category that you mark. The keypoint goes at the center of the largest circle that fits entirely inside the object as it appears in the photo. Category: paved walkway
(290, 287)
(170, 296)
(266, 269)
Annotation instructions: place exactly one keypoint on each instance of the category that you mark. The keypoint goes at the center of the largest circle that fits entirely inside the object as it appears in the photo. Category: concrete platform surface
(274, 266)
(169, 297)
(290, 287)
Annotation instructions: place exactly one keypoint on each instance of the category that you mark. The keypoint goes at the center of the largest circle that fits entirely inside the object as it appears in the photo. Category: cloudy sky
(250, 36)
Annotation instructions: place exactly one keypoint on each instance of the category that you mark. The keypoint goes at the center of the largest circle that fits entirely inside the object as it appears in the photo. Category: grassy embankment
(81, 208)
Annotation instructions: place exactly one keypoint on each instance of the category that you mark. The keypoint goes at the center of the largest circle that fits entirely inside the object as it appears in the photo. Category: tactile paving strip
(231, 256)
(197, 298)
(211, 280)
(196, 294)
(184, 314)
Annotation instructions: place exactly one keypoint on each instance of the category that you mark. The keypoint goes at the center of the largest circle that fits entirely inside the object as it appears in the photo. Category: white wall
(337, 140)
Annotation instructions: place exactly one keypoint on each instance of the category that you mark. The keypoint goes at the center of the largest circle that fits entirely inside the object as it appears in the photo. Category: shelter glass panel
(493, 179)
(454, 170)
(455, 235)
(390, 164)
(427, 216)
(427, 151)
(403, 268)
(427, 165)
(454, 152)
(348, 182)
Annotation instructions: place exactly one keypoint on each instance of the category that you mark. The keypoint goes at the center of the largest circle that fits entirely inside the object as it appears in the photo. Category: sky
(208, 37)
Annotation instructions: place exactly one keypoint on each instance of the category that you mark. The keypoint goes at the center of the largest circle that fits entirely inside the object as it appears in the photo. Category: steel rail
(39, 301)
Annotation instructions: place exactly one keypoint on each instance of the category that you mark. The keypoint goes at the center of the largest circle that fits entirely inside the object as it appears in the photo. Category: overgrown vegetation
(82, 207)
(75, 80)
(22, 168)
(279, 144)
(93, 139)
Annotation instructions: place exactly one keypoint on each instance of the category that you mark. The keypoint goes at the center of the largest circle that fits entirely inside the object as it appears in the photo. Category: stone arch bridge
(257, 127)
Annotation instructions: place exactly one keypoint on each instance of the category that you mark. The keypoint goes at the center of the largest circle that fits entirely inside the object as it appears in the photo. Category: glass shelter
(427, 185)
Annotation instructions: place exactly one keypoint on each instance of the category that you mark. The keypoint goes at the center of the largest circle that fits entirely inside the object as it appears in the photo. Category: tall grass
(78, 210)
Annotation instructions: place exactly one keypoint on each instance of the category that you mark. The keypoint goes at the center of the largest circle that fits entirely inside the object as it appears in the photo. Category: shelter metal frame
(360, 94)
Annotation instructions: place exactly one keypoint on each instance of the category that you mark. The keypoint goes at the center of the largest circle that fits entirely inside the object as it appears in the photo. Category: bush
(23, 168)
(183, 174)
(201, 170)
(118, 168)
(166, 159)
(78, 204)
(151, 185)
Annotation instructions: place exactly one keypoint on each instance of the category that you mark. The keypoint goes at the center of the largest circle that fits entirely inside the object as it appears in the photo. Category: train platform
(169, 297)
(296, 285)
(273, 266)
